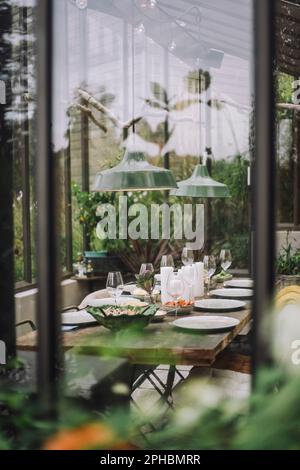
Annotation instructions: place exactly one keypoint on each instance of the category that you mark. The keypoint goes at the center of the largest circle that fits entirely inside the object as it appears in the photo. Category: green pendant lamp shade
(134, 173)
(200, 184)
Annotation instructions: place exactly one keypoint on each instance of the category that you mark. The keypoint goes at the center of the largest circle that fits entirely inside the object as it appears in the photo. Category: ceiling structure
(199, 26)
(288, 37)
(215, 35)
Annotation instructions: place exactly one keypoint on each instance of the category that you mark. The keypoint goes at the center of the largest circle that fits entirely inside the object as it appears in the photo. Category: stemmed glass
(187, 256)
(188, 277)
(167, 261)
(146, 279)
(209, 262)
(146, 267)
(226, 259)
(115, 284)
(175, 287)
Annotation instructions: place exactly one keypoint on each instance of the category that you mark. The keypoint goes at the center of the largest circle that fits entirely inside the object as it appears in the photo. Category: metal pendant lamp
(134, 173)
(200, 184)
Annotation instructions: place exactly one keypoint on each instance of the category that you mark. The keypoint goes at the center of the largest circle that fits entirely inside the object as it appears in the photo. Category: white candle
(165, 272)
(199, 283)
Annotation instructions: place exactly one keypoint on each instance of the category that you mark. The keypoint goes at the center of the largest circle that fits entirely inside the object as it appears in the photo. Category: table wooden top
(159, 343)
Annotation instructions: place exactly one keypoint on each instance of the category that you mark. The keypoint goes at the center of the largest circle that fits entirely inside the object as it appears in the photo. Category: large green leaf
(156, 104)
(197, 81)
(159, 92)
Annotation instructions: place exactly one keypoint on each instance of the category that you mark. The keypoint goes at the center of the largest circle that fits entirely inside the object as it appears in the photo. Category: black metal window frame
(263, 200)
(264, 175)
(29, 281)
(49, 357)
(295, 224)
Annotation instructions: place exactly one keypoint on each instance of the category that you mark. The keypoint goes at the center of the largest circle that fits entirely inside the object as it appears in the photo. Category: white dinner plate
(77, 318)
(232, 293)
(219, 305)
(111, 301)
(240, 283)
(206, 323)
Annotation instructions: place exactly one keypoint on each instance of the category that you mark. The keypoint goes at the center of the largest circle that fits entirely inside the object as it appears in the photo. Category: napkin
(199, 279)
(165, 272)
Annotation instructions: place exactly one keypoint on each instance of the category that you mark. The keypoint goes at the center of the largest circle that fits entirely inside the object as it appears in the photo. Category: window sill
(24, 286)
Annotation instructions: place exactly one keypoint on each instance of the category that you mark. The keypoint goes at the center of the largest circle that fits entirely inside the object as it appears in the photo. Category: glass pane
(18, 155)
(157, 95)
(170, 81)
(153, 129)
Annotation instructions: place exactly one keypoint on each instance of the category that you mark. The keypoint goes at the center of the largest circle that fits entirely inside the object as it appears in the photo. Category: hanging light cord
(201, 157)
(133, 81)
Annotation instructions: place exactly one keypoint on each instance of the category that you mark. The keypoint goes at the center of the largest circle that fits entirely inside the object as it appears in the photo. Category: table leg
(163, 389)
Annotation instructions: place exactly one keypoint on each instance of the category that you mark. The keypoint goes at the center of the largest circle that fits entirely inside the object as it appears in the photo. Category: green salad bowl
(122, 317)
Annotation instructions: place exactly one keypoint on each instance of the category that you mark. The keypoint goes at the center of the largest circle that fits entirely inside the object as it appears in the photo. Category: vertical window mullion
(68, 206)
(296, 172)
(67, 154)
(7, 313)
(85, 167)
(265, 173)
(166, 123)
(50, 356)
(24, 148)
(84, 118)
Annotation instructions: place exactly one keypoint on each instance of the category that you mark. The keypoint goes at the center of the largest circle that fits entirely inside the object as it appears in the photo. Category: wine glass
(146, 267)
(115, 284)
(226, 259)
(175, 288)
(209, 262)
(167, 261)
(187, 256)
(188, 277)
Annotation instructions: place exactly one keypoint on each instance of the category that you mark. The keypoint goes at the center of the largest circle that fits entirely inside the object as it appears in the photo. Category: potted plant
(101, 255)
(288, 265)
(118, 255)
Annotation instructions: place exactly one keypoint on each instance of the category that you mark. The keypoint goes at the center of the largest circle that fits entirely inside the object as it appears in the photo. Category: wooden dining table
(158, 343)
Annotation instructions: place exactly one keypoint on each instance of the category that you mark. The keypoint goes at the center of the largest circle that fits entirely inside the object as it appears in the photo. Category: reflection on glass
(128, 79)
(167, 261)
